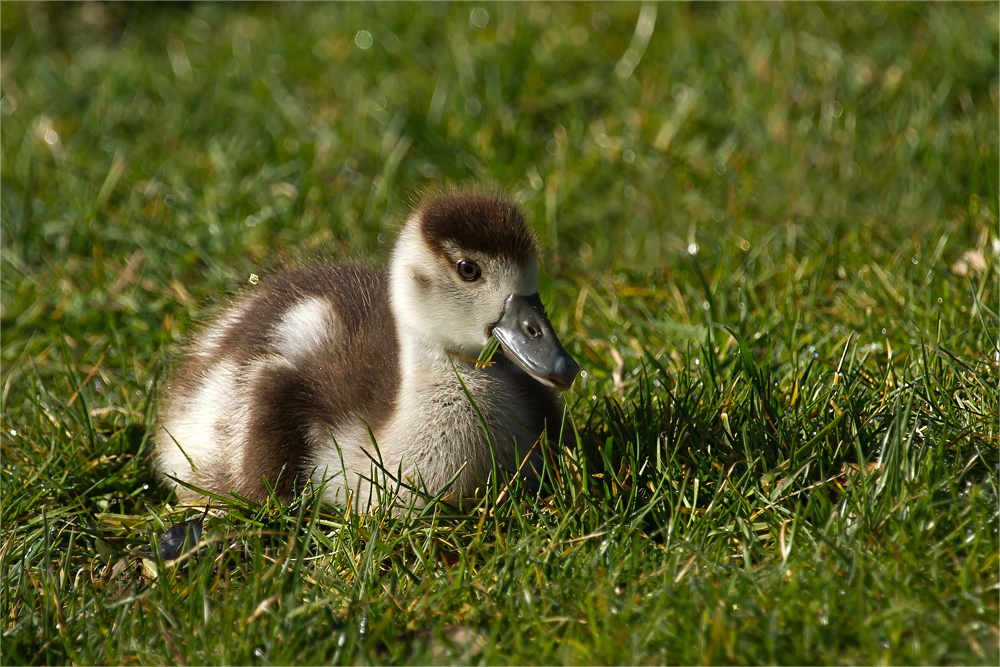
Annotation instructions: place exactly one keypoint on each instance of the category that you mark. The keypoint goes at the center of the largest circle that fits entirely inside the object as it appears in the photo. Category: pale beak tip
(564, 371)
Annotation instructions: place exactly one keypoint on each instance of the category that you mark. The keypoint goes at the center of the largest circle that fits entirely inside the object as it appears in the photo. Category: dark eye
(468, 270)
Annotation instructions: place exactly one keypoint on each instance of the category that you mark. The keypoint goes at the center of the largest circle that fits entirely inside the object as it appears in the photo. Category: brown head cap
(480, 222)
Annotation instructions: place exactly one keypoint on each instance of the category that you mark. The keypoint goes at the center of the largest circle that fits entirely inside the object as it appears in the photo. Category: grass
(770, 238)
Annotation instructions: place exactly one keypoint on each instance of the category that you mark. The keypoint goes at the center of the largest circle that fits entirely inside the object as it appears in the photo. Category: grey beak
(526, 336)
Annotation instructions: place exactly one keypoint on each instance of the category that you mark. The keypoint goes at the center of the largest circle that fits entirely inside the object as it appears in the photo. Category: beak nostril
(531, 331)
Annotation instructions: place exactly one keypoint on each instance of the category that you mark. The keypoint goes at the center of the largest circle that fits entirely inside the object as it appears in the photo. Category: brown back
(355, 375)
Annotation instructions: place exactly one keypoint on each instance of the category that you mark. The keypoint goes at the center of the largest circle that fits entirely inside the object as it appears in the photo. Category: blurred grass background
(757, 219)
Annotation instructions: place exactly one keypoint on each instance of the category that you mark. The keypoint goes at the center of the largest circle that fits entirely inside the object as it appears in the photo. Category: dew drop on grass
(51, 138)
(594, 397)
(883, 332)
(601, 21)
(885, 645)
(693, 249)
(697, 362)
(259, 652)
(13, 433)
(364, 40)
(479, 18)
(583, 374)
(253, 279)
(915, 259)
(720, 168)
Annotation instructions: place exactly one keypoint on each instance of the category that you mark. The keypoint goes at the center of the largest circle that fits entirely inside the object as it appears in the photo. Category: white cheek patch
(442, 310)
(304, 328)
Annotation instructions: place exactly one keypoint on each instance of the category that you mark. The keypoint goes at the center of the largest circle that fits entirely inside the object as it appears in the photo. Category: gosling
(365, 382)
